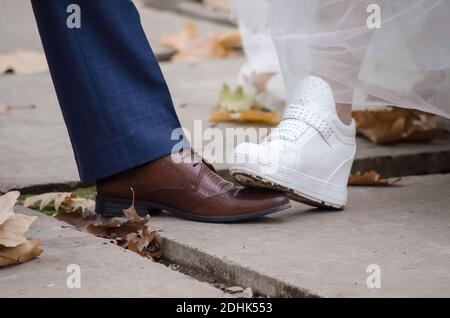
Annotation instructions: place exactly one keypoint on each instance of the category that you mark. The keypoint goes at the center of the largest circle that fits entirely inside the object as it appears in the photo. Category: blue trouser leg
(113, 96)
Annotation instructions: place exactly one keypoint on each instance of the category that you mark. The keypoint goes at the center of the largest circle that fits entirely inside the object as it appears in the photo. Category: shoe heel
(113, 207)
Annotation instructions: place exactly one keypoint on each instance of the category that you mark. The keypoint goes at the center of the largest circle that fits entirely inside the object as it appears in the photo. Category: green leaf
(236, 101)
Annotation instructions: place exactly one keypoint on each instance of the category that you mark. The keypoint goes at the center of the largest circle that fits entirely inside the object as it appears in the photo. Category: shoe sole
(113, 207)
(247, 175)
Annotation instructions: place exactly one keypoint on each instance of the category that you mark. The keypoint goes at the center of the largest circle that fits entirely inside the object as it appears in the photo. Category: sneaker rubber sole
(250, 175)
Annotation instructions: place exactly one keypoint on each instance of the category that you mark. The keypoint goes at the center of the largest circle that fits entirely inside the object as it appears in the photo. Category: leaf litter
(384, 125)
(237, 105)
(5, 108)
(370, 178)
(190, 47)
(66, 201)
(392, 124)
(131, 231)
(15, 246)
(20, 61)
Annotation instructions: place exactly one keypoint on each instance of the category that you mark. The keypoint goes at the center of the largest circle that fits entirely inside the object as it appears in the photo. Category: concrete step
(157, 22)
(195, 89)
(192, 9)
(38, 156)
(404, 230)
(18, 27)
(107, 270)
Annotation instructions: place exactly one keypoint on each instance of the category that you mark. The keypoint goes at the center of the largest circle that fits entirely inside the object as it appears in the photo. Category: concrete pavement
(35, 150)
(401, 231)
(299, 252)
(106, 269)
(405, 230)
(37, 156)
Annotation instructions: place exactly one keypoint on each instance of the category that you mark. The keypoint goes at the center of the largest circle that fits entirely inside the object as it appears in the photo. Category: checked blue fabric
(113, 96)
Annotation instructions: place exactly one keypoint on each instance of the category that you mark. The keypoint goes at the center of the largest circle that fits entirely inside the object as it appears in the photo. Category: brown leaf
(131, 213)
(393, 124)
(7, 202)
(230, 39)
(200, 49)
(154, 255)
(180, 40)
(131, 231)
(4, 108)
(371, 178)
(218, 5)
(19, 61)
(21, 253)
(191, 48)
(75, 219)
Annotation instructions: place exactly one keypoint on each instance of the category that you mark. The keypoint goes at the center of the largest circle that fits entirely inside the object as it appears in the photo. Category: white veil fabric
(401, 59)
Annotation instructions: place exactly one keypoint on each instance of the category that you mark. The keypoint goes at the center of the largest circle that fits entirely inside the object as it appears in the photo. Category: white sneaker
(309, 155)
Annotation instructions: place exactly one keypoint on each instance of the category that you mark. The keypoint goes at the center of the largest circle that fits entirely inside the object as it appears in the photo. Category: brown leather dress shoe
(189, 189)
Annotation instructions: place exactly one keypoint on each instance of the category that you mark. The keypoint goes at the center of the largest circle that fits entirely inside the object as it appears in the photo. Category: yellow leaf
(257, 116)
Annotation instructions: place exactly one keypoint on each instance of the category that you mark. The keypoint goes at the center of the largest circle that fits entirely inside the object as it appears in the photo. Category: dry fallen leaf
(76, 219)
(4, 108)
(190, 48)
(12, 231)
(19, 61)
(21, 253)
(395, 124)
(237, 106)
(65, 200)
(15, 247)
(371, 178)
(130, 213)
(182, 38)
(218, 5)
(7, 202)
(75, 204)
(45, 199)
(12, 226)
(256, 116)
(131, 231)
